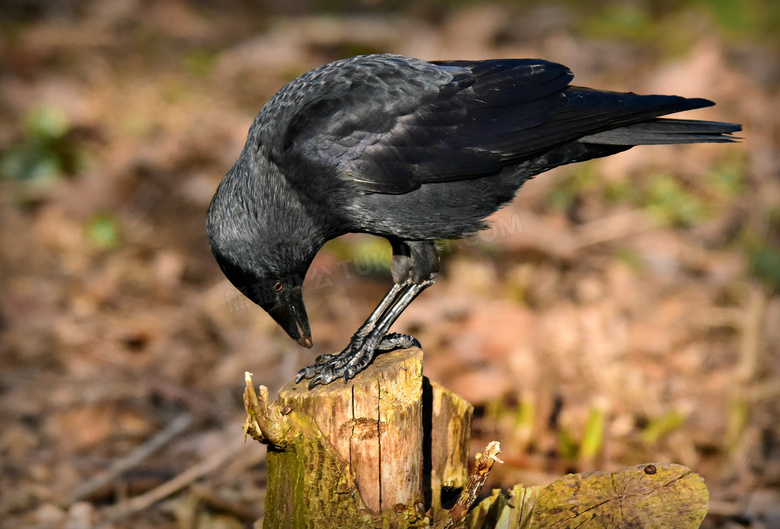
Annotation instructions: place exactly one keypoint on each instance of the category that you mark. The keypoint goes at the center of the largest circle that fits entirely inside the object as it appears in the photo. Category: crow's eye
(278, 286)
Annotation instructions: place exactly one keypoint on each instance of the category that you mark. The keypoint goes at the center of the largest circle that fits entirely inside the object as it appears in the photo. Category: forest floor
(622, 311)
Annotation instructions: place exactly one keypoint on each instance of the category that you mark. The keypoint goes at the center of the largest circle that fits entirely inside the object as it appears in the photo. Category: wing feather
(390, 124)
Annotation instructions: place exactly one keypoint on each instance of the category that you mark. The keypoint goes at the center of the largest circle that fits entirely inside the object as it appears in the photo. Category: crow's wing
(390, 124)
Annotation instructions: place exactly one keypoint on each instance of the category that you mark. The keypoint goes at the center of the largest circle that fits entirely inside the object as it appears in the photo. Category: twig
(135, 458)
(265, 422)
(476, 481)
(139, 503)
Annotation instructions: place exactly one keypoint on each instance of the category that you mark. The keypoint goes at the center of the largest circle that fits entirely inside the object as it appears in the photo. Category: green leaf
(662, 426)
(47, 122)
(593, 438)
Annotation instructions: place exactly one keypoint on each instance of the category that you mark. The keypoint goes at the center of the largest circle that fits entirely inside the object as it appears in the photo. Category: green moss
(310, 471)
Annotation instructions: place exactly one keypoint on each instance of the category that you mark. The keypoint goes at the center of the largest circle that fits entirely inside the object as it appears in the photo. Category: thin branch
(211, 464)
(135, 458)
(476, 481)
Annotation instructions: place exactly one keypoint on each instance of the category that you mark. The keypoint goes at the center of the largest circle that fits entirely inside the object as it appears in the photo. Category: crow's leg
(365, 344)
(414, 268)
(378, 340)
(327, 359)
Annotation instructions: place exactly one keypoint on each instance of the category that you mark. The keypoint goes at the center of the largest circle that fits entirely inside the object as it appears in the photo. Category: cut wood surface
(375, 425)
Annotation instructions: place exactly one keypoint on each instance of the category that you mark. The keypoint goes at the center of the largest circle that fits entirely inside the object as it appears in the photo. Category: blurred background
(621, 311)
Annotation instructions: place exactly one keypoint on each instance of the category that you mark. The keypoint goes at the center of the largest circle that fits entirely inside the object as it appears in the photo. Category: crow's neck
(271, 217)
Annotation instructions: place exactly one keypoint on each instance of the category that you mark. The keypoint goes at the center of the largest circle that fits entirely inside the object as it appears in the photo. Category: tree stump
(388, 448)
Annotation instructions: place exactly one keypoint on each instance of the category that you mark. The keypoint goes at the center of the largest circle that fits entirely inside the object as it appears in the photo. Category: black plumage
(412, 151)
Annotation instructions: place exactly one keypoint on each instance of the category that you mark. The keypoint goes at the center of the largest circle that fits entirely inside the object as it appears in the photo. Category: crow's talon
(306, 372)
(314, 381)
(323, 359)
(397, 340)
(353, 359)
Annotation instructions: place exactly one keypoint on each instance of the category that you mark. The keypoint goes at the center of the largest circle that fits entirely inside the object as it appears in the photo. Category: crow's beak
(290, 314)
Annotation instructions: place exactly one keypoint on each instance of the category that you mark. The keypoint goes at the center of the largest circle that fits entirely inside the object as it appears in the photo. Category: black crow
(413, 151)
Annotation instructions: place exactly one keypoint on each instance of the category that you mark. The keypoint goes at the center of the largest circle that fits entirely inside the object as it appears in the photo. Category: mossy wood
(649, 496)
(389, 449)
(360, 454)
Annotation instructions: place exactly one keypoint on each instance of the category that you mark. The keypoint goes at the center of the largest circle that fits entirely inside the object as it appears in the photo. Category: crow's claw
(314, 381)
(353, 359)
(306, 372)
(396, 340)
(322, 359)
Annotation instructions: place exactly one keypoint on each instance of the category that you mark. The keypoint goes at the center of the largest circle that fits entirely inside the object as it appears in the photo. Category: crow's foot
(397, 340)
(354, 359)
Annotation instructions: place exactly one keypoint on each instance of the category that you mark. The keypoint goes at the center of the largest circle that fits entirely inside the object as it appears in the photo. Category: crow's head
(263, 251)
(281, 295)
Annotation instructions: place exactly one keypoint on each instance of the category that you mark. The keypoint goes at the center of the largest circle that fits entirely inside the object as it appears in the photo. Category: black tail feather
(662, 131)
